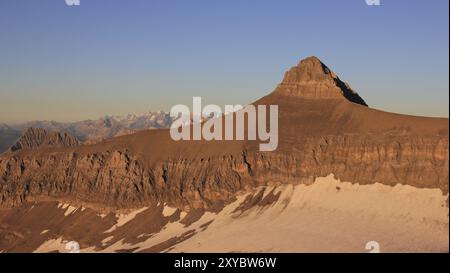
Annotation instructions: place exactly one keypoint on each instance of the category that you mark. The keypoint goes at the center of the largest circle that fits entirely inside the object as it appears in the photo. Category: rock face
(34, 138)
(324, 127)
(313, 79)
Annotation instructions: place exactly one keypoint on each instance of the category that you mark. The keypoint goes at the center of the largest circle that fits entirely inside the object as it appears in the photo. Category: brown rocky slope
(324, 127)
(34, 138)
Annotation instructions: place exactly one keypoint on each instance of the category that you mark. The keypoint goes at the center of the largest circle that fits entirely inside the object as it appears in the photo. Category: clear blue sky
(131, 56)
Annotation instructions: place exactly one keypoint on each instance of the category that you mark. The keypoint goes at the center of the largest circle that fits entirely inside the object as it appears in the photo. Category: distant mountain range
(88, 131)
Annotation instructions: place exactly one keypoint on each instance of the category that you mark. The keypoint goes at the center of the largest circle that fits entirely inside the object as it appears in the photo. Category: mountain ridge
(317, 136)
(35, 138)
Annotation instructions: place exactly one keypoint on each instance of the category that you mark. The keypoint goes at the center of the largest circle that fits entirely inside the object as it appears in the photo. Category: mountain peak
(312, 79)
(34, 138)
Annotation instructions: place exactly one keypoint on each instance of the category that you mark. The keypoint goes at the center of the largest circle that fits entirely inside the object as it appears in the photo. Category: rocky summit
(34, 138)
(313, 79)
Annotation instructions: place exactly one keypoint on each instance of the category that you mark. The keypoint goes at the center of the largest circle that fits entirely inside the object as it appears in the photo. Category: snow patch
(122, 219)
(168, 211)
